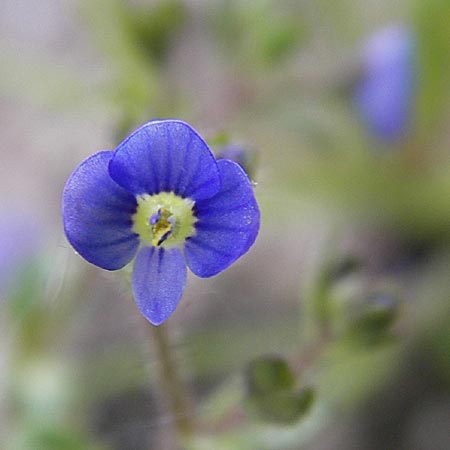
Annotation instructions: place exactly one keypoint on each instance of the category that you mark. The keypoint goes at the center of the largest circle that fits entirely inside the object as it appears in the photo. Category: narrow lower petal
(97, 214)
(159, 278)
(166, 155)
(227, 225)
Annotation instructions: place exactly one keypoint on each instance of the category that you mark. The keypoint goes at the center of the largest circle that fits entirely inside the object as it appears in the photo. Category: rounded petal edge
(227, 225)
(158, 282)
(97, 214)
(166, 156)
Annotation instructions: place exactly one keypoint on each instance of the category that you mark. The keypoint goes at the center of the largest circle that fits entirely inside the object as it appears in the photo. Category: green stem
(173, 388)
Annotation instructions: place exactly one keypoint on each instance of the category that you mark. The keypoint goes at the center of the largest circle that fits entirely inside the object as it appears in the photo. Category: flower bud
(384, 94)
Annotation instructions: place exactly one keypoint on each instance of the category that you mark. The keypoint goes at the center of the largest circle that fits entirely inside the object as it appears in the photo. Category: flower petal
(166, 155)
(227, 225)
(97, 214)
(159, 278)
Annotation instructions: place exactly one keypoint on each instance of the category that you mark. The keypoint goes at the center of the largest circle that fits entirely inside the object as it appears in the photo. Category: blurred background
(333, 332)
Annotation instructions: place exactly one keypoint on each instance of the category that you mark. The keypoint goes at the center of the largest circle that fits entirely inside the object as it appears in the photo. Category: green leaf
(271, 392)
(321, 307)
(269, 374)
(372, 320)
(282, 408)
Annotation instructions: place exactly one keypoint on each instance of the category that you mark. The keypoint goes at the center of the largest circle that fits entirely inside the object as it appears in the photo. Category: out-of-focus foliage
(271, 391)
(262, 33)
(154, 26)
(433, 29)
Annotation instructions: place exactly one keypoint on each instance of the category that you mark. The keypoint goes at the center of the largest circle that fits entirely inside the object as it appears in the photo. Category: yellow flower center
(164, 219)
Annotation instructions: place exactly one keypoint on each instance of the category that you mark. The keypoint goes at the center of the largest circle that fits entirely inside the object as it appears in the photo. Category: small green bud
(271, 395)
(373, 319)
(269, 374)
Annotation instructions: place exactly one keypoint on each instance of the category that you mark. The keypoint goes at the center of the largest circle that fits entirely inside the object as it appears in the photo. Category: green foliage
(51, 438)
(264, 32)
(373, 318)
(272, 396)
(282, 408)
(154, 26)
(321, 308)
(269, 374)
(433, 26)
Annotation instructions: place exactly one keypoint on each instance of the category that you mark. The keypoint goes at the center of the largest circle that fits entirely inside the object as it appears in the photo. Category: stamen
(154, 219)
(164, 219)
(162, 223)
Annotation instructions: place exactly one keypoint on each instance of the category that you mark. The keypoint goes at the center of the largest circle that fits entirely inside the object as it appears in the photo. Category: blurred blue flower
(385, 93)
(163, 199)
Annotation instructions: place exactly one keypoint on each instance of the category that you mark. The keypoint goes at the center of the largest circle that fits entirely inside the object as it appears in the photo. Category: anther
(162, 223)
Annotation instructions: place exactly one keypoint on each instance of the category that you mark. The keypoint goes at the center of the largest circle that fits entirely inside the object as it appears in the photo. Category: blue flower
(384, 95)
(162, 201)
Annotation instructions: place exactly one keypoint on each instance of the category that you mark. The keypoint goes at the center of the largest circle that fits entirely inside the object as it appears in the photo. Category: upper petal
(159, 278)
(97, 214)
(166, 155)
(227, 225)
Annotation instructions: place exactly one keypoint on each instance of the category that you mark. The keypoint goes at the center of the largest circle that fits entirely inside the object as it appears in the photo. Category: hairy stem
(175, 396)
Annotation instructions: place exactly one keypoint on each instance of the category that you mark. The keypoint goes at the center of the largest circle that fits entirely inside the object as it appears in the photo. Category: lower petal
(159, 278)
(227, 224)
